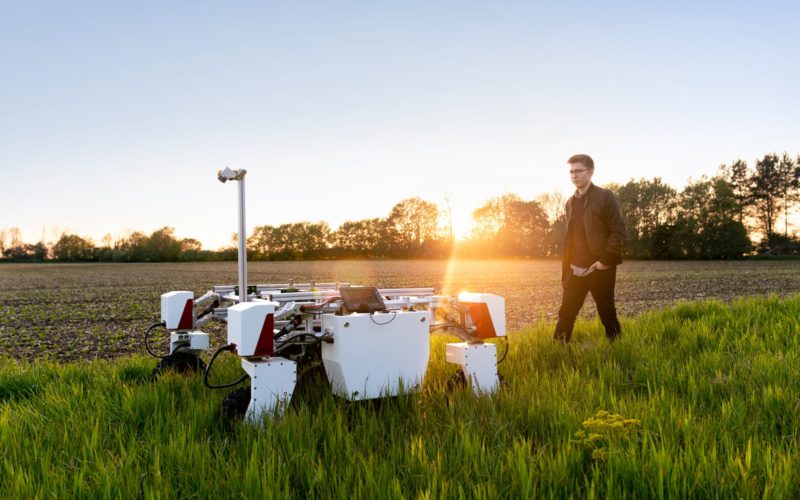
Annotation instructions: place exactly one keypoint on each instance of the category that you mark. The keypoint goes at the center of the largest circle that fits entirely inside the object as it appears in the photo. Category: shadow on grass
(19, 387)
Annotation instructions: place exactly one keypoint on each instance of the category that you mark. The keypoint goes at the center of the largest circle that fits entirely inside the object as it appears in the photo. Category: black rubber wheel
(456, 381)
(179, 362)
(312, 386)
(234, 405)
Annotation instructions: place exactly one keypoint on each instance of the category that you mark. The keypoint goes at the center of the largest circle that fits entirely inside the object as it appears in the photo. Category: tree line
(160, 246)
(717, 217)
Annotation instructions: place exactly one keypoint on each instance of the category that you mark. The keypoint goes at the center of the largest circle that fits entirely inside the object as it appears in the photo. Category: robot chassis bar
(281, 329)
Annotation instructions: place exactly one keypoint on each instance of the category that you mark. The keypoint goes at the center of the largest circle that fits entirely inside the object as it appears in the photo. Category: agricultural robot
(372, 342)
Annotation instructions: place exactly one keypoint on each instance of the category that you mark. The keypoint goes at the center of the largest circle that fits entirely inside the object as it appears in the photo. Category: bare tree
(16, 236)
(446, 216)
(553, 204)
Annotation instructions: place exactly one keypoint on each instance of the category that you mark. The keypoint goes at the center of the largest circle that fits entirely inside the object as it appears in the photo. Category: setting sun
(462, 224)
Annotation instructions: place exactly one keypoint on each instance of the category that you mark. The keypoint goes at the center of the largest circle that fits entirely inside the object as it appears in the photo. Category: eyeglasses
(578, 171)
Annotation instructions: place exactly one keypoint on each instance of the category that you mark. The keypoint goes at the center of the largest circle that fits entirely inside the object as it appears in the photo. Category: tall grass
(698, 400)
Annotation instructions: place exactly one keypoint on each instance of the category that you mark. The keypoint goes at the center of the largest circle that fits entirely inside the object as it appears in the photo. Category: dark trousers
(601, 284)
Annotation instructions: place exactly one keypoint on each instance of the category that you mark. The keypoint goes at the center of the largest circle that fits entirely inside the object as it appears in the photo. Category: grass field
(698, 400)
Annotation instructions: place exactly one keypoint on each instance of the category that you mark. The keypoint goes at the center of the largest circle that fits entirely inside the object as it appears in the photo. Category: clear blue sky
(116, 116)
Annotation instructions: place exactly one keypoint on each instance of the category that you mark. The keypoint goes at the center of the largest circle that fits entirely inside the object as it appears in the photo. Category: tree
(491, 216)
(789, 185)
(771, 188)
(25, 252)
(282, 244)
(628, 196)
(22, 252)
(133, 248)
(646, 206)
(554, 206)
(525, 230)
(40, 251)
(260, 242)
(73, 248)
(511, 227)
(162, 246)
(738, 176)
(362, 238)
(191, 250)
(446, 216)
(16, 239)
(708, 225)
(414, 222)
(312, 239)
(725, 234)
(299, 240)
(765, 189)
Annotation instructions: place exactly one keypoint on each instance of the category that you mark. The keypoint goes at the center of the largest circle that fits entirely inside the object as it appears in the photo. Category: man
(592, 251)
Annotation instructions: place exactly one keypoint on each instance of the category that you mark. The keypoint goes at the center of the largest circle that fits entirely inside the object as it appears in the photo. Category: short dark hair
(585, 159)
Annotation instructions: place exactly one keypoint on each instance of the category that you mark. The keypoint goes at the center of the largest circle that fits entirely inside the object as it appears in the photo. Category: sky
(116, 116)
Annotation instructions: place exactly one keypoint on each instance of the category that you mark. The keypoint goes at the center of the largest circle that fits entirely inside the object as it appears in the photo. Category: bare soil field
(87, 311)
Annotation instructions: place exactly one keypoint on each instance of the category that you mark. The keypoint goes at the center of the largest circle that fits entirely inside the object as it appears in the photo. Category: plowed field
(87, 311)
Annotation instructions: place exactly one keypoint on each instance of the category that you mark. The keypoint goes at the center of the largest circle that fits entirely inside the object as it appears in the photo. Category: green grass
(707, 396)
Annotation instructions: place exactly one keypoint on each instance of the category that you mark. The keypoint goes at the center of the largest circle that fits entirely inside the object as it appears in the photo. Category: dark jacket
(605, 229)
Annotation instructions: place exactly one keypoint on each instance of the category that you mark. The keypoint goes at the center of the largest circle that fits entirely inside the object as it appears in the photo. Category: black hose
(208, 310)
(229, 347)
(384, 323)
(288, 327)
(297, 339)
(311, 308)
(147, 340)
(455, 326)
(505, 352)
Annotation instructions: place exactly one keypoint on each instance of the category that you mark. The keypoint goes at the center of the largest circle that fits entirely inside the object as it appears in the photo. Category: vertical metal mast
(242, 243)
(238, 175)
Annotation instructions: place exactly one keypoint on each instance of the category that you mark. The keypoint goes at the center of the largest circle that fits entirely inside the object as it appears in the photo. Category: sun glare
(462, 224)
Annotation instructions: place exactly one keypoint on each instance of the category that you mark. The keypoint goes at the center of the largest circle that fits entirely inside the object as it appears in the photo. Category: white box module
(177, 306)
(374, 355)
(478, 362)
(272, 385)
(246, 321)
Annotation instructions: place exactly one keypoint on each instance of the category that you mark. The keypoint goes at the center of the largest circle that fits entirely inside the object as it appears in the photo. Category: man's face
(580, 175)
